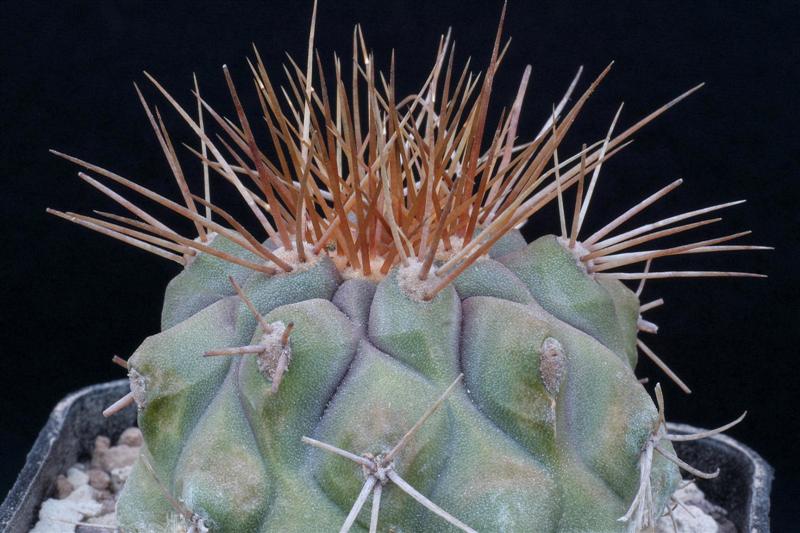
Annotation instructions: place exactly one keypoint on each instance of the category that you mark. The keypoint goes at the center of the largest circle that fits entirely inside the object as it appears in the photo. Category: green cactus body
(544, 433)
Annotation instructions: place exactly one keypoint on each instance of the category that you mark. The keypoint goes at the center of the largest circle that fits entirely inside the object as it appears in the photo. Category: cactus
(395, 356)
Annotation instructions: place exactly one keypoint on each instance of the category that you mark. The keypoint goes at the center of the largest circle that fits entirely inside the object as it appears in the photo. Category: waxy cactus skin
(503, 453)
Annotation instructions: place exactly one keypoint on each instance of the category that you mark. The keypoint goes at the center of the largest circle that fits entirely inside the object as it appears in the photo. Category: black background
(71, 298)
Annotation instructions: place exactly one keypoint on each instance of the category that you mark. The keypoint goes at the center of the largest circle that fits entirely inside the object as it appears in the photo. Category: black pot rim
(32, 484)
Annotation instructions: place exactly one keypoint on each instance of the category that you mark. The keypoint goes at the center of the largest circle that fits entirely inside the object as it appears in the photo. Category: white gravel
(85, 498)
(692, 513)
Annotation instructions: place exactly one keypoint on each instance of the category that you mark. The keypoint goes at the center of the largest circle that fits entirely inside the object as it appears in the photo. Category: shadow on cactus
(385, 351)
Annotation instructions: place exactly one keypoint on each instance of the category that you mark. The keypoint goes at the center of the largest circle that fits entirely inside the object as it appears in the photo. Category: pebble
(99, 479)
(688, 519)
(119, 476)
(107, 500)
(116, 457)
(101, 444)
(131, 437)
(63, 487)
(77, 477)
(60, 516)
(694, 515)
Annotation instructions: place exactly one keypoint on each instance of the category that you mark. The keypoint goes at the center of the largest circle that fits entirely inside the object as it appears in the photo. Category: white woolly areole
(348, 272)
(377, 263)
(442, 254)
(552, 365)
(267, 360)
(408, 279)
(191, 256)
(290, 257)
(578, 251)
(138, 387)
